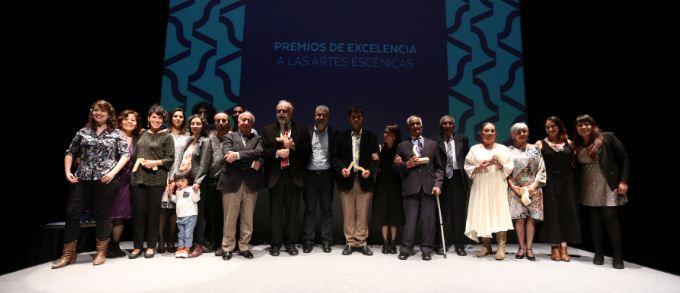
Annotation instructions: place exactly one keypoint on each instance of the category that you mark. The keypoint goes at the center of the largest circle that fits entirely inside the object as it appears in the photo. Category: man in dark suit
(319, 181)
(286, 150)
(453, 148)
(240, 179)
(422, 175)
(355, 147)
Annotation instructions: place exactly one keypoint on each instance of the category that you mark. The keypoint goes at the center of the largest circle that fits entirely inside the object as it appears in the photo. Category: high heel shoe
(530, 257)
(520, 256)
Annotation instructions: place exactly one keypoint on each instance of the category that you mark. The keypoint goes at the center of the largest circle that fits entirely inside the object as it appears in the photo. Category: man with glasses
(287, 146)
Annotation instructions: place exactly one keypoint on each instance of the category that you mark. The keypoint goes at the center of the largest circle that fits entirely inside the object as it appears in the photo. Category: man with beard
(287, 146)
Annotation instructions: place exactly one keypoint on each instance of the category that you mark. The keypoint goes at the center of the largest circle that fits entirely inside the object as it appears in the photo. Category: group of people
(206, 181)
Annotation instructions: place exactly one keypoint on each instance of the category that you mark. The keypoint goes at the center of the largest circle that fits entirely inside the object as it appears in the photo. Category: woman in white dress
(488, 164)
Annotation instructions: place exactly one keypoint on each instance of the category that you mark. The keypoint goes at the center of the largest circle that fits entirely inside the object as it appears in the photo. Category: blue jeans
(186, 230)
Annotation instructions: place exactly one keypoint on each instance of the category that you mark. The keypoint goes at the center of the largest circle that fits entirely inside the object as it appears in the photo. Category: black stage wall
(612, 62)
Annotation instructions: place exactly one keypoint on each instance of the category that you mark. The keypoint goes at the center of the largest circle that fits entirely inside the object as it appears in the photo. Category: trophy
(140, 161)
(419, 161)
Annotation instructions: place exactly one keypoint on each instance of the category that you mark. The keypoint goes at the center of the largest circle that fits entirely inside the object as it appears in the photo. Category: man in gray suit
(422, 175)
(239, 181)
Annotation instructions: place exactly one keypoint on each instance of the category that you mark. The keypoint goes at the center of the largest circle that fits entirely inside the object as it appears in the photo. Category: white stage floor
(333, 272)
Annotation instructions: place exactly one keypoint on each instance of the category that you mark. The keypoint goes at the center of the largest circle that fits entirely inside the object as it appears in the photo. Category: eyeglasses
(282, 111)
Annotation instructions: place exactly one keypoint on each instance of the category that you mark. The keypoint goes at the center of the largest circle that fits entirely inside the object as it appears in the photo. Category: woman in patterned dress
(103, 152)
(180, 138)
(526, 179)
(603, 169)
(561, 222)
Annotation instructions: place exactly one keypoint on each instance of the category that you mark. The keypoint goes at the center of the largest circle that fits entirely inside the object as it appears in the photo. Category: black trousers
(146, 208)
(419, 206)
(284, 199)
(453, 203)
(318, 188)
(95, 194)
(213, 212)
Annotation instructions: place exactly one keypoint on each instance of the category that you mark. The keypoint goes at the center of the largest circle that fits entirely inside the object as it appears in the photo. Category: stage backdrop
(392, 58)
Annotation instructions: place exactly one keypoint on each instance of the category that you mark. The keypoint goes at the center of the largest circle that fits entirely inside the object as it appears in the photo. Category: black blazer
(233, 174)
(613, 161)
(422, 177)
(298, 158)
(342, 157)
(332, 135)
(462, 148)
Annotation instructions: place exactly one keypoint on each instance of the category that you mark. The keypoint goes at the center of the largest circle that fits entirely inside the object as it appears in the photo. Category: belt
(319, 171)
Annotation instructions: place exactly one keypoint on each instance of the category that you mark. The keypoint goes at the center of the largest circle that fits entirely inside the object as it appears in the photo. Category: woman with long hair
(103, 152)
(167, 228)
(388, 210)
(603, 169)
(561, 224)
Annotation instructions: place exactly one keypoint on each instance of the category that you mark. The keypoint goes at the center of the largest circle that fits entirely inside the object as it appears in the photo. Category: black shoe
(404, 255)
(110, 252)
(618, 265)
(135, 255)
(598, 259)
(461, 251)
(219, 252)
(307, 247)
(439, 251)
(226, 255)
(247, 254)
(530, 257)
(274, 250)
(427, 256)
(161, 248)
(386, 247)
(326, 245)
(520, 256)
(149, 255)
(208, 248)
(393, 247)
(365, 250)
(290, 248)
(348, 250)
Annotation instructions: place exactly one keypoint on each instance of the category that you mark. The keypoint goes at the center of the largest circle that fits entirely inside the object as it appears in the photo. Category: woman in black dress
(388, 211)
(560, 220)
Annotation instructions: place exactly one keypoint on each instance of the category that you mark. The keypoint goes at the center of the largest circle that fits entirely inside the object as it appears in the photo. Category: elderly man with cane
(422, 175)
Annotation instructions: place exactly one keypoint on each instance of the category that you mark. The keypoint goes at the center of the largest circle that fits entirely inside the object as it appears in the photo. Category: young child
(187, 209)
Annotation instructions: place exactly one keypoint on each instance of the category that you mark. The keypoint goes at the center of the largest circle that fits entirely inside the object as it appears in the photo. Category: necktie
(449, 160)
(284, 162)
(419, 146)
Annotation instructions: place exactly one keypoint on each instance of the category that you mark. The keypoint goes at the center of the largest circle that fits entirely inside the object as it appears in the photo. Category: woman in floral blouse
(103, 151)
(524, 189)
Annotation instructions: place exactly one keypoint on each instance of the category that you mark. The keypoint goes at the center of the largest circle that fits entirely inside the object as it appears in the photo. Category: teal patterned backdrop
(204, 53)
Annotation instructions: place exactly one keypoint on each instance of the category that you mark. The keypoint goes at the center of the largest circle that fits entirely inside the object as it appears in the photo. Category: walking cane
(441, 226)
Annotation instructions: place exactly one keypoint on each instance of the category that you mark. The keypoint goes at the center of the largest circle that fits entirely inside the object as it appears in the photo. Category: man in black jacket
(354, 170)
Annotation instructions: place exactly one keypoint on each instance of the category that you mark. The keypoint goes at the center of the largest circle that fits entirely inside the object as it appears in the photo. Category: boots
(386, 247)
(114, 250)
(68, 256)
(564, 255)
(198, 250)
(100, 258)
(393, 246)
(555, 253)
(501, 237)
(486, 247)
